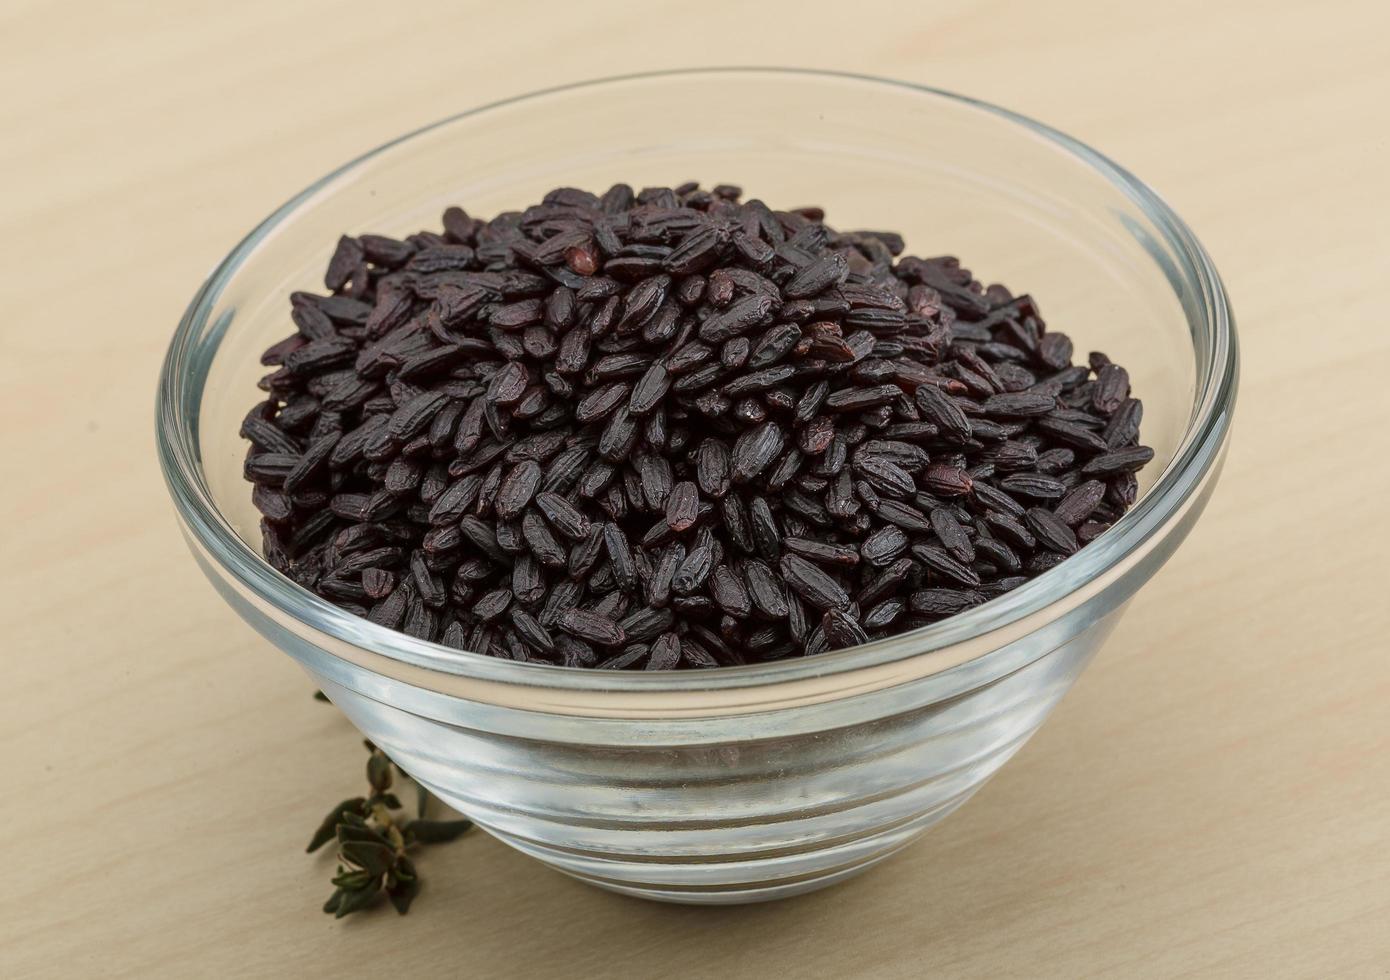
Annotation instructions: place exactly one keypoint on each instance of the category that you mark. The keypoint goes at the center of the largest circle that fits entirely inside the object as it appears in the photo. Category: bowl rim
(1197, 455)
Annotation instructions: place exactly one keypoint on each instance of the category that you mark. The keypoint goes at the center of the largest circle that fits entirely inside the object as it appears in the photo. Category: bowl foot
(740, 881)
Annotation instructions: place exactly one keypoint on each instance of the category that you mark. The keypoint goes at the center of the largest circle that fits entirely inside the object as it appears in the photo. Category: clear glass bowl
(749, 783)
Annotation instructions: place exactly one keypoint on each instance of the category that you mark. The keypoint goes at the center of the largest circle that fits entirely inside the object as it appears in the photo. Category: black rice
(670, 429)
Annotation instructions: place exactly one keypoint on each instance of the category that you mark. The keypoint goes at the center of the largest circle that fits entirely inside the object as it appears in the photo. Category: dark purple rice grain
(531, 632)
(542, 542)
(729, 592)
(812, 584)
(947, 481)
(992, 590)
(883, 546)
(1013, 456)
(766, 590)
(1032, 485)
(952, 535)
(516, 489)
(942, 411)
(693, 570)
(884, 614)
(530, 433)
(939, 603)
(987, 498)
(1055, 350)
(1022, 404)
(754, 450)
(591, 626)
(822, 552)
(438, 540)
(842, 630)
(905, 516)
(1051, 531)
(712, 467)
(584, 555)
(563, 516)
(937, 561)
(420, 621)
(1112, 388)
(1120, 494)
(1043, 561)
(645, 624)
(649, 391)
(561, 596)
(790, 464)
(1056, 460)
(665, 652)
(697, 656)
(1089, 531)
(655, 476)
(377, 583)
(1118, 461)
(272, 503)
(1073, 435)
(1080, 502)
(682, 506)
(1123, 427)
(886, 582)
(839, 496)
(997, 553)
(857, 399)
(528, 585)
(1011, 530)
(658, 586)
(620, 560)
(733, 515)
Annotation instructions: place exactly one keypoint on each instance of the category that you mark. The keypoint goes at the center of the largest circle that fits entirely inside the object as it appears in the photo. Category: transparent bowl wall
(736, 784)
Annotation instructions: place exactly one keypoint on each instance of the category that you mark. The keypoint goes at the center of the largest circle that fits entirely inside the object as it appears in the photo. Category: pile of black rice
(672, 429)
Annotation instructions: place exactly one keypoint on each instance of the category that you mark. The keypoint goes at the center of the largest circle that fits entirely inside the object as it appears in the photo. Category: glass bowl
(758, 782)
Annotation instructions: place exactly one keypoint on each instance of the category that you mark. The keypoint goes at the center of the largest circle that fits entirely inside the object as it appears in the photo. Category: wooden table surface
(1212, 799)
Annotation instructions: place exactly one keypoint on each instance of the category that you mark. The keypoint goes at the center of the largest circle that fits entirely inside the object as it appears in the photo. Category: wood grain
(1214, 797)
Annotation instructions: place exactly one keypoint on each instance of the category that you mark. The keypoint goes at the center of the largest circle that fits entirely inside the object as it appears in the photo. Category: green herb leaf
(438, 831)
(375, 858)
(379, 771)
(403, 893)
(349, 834)
(331, 905)
(391, 800)
(320, 696)
(422, 800)
(356, 900)
(329, 827)
(352, 880)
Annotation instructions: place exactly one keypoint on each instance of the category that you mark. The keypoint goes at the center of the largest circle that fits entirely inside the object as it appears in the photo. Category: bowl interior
(951, 177)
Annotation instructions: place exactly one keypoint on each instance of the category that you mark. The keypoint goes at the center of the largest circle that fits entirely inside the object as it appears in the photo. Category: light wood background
(1214, 797)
